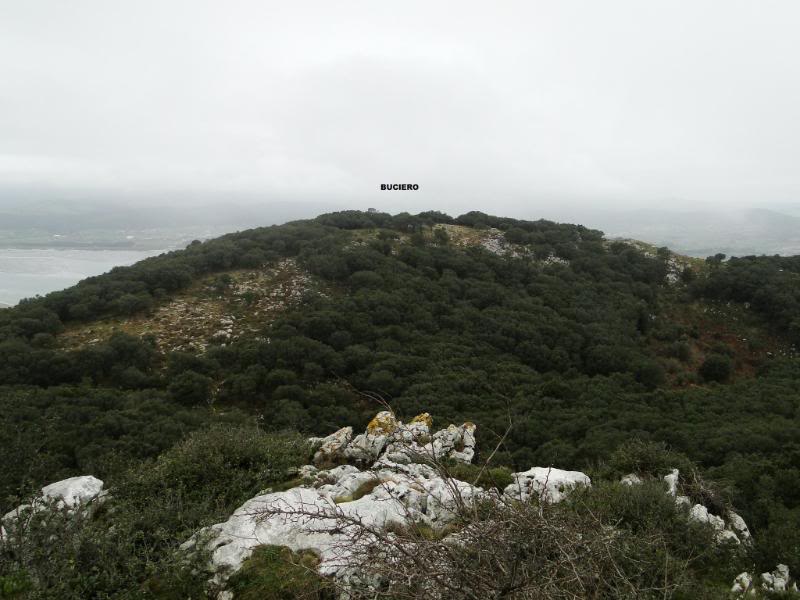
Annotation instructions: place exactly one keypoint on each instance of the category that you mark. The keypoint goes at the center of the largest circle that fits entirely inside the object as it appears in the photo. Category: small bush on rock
(276, 573)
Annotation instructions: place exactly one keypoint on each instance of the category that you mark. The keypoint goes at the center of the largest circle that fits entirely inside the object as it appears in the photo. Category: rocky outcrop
(779, 580)
(70, 494)
(324, 514)
(332, 446)
(385, 476)
(733, 530)
(397, 442)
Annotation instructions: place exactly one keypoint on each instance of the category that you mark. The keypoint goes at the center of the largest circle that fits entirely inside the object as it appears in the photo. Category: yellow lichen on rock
(424, 418)
(384, 423)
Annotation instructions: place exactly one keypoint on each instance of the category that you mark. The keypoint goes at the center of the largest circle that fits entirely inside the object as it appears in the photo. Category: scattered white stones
(779, 580)
(496, 243)
(192, 321)
(631, 479)
(733, 530)
(386, 476)
(552, 259)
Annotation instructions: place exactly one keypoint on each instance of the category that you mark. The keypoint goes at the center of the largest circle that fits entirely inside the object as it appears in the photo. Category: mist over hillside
(174, 222)
(702, 233)
(44, 220)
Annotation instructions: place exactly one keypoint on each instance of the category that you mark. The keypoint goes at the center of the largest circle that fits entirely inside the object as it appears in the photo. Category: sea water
(26, 273)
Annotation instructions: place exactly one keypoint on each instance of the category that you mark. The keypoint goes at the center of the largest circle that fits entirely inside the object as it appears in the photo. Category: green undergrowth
(361, 491)
(487, 477)
(277, 573)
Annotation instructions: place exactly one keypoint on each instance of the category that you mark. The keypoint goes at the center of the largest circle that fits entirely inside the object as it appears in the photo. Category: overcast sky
(499, 106)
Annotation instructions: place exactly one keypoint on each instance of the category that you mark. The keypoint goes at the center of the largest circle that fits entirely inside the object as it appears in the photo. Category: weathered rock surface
(779, 580)
(672, 482)
(71, 494)
(545, 483)
(742, 584)
(398, 442)
(333, 445)
(387, 478)
(321, 516)
(737, 524)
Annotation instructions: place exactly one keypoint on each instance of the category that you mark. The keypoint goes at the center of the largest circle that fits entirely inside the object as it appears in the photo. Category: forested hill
(581, 342)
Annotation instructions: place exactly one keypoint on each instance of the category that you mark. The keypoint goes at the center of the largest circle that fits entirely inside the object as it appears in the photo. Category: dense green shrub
(275, 573)
(190, 388)
(717, 367)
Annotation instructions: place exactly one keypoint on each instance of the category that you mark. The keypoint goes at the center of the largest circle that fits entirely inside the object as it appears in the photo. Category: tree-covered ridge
(585, 342)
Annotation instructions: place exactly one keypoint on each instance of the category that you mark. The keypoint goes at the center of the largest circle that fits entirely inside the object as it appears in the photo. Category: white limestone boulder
(700, 514)
(778, 581)
(69, 494)
(545, 483)
(73, 492)
(738, 526)
(742, 584)
(672, 482)
(366, 447)
(321, 516)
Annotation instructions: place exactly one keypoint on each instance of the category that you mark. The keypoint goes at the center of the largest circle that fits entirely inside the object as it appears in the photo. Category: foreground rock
(325, 515)
(388, 479)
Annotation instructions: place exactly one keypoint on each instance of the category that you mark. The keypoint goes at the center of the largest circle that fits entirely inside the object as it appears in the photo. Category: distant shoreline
(87, 246)
(31, 272)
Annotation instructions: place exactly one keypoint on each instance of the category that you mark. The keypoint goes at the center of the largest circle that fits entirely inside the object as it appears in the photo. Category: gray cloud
(500, 108)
